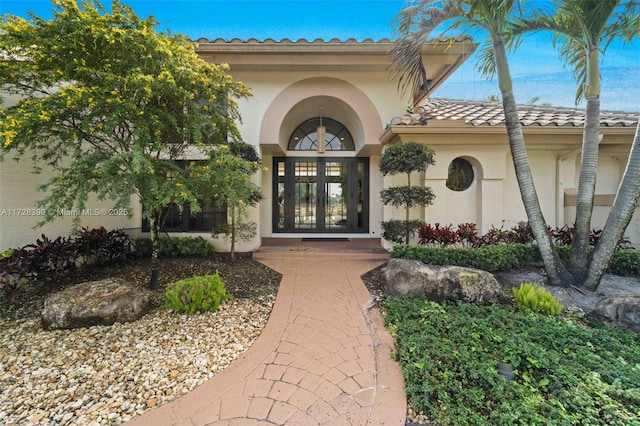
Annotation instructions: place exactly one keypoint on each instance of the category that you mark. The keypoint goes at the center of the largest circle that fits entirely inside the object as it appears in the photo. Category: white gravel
(106, 375)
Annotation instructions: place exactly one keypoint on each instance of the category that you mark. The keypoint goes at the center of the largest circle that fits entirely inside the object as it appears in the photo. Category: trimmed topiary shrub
(405, 158)
(197, 294)
(530, 297)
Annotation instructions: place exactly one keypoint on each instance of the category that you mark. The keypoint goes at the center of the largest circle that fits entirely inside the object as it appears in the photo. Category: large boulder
(622, 310)
(91, 303)
(441, 283)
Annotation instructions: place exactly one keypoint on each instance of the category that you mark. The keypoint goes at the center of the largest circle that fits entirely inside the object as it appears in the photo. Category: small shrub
(495, 236)
(175, 247)
(197, 294)
(530, 297)
(51, 262)
(521, 234)
(562, 236)
(443, 236)
(101, 246)
(46, 261)
(625, 262)
(468, 234)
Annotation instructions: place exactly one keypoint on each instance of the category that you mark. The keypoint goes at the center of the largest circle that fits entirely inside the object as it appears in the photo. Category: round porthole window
(460, 175)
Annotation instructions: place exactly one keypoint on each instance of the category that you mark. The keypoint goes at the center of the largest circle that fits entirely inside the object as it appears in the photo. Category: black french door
(321, 195)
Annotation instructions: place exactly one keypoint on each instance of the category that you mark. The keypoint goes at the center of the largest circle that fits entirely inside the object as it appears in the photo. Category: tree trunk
(233, 233)
(406, 216)
(155, 249)
(619, 217)
(588, 170)
(556, 271)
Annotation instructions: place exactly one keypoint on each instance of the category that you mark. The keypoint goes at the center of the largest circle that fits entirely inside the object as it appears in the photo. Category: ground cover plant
(565, 371)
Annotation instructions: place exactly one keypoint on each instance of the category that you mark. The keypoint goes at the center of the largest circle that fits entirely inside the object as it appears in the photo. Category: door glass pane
(305, 193)
(280, 194)
(361, 195)
(335, 195)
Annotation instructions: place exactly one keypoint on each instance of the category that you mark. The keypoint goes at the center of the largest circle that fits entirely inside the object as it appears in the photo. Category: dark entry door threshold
(325, 239)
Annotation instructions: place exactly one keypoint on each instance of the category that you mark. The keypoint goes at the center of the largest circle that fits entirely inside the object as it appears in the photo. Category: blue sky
(536, 69)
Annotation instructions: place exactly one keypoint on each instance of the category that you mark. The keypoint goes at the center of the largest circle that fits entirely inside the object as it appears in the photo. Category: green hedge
(506, 256)
(488, 258)
(175, 247)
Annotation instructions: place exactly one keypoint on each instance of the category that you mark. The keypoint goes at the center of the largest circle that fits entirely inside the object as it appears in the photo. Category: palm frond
(579, 26)
(623, 26)
(575, 58)
(416, 25)
(486, 60)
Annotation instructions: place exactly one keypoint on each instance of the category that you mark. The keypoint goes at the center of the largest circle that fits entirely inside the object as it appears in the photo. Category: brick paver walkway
(322, 359)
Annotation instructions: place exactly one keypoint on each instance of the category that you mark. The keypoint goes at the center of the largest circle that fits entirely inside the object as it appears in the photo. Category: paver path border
(323, 357)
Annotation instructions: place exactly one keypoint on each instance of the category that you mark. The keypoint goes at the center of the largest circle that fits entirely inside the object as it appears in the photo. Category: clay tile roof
(301, 41)
(485, 113)
(287, 41)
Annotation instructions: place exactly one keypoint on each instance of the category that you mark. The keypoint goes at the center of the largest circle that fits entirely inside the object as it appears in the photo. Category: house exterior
(343, 91)
(474, 134)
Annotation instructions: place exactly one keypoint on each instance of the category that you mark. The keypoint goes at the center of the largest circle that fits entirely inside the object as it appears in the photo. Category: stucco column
(490, 203)
(438, 210)
(567, 177)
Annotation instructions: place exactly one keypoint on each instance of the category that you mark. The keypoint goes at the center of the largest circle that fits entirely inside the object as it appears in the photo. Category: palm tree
(416, 25)
(583, 29)
(619, 217)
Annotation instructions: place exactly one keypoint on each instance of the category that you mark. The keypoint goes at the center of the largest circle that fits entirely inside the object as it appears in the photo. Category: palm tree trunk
(556, 271)
(588, 169)
(619, 217)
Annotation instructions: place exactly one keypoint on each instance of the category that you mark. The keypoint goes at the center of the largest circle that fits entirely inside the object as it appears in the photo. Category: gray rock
(440, 283)
(91, 303)
(622, 310)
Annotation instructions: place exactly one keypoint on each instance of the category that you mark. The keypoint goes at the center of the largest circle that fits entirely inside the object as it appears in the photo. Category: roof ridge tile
(490, 113)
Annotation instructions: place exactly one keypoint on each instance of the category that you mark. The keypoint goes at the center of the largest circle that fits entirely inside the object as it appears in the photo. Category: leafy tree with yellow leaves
(110, 104)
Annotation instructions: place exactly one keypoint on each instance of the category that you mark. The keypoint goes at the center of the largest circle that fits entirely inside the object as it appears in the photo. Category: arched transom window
(305, 137)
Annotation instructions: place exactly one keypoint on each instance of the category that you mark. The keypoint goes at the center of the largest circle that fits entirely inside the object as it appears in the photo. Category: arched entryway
(320, 188)
(321, 194)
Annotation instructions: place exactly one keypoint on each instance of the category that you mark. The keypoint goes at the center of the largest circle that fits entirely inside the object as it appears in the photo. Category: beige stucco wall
(494, 197)
(364, 102)
(19, 214)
